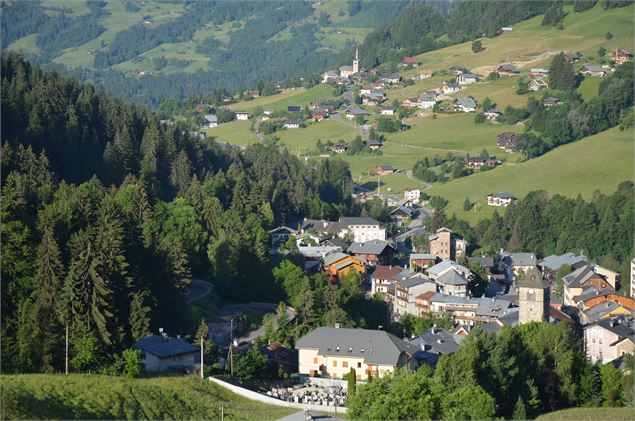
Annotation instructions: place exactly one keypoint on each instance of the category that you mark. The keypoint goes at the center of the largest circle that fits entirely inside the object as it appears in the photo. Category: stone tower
(356, 61)
(533, 298)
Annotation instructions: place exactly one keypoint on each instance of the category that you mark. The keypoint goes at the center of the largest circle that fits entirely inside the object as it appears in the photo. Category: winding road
(197, 289)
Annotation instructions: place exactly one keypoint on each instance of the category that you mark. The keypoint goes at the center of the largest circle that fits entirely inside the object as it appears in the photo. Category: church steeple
(356, 68)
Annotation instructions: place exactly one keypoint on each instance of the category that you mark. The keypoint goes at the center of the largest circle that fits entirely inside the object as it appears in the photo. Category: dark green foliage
(254, 364)
(561, 74)
(479, 118)
(20, 18)
(610, 4)
(477, 46)
(582, 5)
(554, 14)
(132, 362)
(388, 125)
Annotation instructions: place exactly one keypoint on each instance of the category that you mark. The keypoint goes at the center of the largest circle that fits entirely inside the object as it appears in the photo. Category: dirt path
(486, 70)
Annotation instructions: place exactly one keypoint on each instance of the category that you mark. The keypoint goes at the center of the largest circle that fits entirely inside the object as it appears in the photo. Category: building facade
(533, 298)
(447, 245)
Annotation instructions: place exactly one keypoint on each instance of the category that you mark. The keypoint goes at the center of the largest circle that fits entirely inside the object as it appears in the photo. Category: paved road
(197, 289)
(218, 335)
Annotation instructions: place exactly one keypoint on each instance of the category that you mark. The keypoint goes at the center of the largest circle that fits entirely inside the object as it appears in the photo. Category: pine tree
(203, 333)
(87, 291)
(520, 412)
(181, 173)
(127, 151)
(139, 319)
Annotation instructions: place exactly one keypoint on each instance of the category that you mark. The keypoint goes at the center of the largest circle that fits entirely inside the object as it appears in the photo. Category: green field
(529, 41)
(280, 102)
(589, 87)
(38, 396)
(598, 162)
(590, 414)
(236, 132)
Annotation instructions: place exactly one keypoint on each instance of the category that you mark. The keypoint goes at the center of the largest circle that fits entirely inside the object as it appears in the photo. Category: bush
(477, 46)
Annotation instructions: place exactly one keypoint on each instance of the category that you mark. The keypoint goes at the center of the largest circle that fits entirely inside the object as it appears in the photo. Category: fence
(250, 394)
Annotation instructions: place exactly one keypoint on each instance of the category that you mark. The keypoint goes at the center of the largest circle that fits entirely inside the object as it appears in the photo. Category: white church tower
(356, 62)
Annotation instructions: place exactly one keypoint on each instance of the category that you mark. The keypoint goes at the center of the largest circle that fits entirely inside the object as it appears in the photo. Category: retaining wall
(250, 394)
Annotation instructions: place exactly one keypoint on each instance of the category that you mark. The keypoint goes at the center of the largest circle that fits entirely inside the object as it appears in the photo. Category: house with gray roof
(439, 269)
(437, 341)
(427, 100)
(210, 121)
(452, 282)
(551, 264)
(589, 70)
(376, 252)
(161, 353)
(608, 339)
(466, 79)
(331, 352)
(408, 286)
(516, 263)
(466, 105)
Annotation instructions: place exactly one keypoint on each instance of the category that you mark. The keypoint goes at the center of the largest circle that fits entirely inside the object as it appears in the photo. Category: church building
(347, 71)
(533, 298)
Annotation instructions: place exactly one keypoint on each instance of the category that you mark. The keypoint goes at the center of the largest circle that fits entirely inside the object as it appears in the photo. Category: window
(314, 360)
(359, 365)
(345, 364)
(334, 363)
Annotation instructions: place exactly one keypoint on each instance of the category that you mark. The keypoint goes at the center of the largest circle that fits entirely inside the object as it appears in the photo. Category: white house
(362, 228)
(412, 194)
(387, 111)
(161, 353)
(210, 121)
(449, 88)
(466, 79)
(466, 105)
(427, 100)
(291, 124)
(499, 199)
(609, 339)
(242, 115)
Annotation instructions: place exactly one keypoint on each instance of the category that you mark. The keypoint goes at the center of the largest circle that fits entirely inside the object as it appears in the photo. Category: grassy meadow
(76, 396)
(595, 414)
(598, 162)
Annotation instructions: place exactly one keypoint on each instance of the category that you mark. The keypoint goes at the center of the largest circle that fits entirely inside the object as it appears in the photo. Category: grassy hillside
(279, 102)
(591, 414)
(529, 40)
(598, 162)
(103, 397)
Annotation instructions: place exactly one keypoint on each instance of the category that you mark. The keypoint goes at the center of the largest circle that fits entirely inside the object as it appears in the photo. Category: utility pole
(66, 359)
(222, 411)
(202, 375)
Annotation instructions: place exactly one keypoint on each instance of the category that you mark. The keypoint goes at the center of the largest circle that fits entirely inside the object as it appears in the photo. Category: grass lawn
(596, 414)
(302, 141)
(76, 396)
(502, 92)
(589, 87)
(584, 32)
(281, 101)
(236, 132)
(598, 162)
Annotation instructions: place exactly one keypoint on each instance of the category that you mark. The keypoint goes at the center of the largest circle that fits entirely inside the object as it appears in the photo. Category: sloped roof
(452, 277)
(369, 247)
(554, 262)
(357, 220)
(501, 195)
(331, 258)
(576, 278)
(164, 347)
(466, 102)
(375, 346)
(445, 265)
(487, 262)
(439, 340)
(386, 272)
(533, 279)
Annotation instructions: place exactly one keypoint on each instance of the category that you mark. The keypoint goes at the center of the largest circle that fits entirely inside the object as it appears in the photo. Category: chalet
(202, 108)
(331, 353)
(338, 264)
(387, 111)
(551, 264)
(375, 252)
(291, 124)
(452, 283)
(446, 244)
(413, 195)
(268, 112)
(537, 85)
(449, 88)
(161, 353)
(210, 121)
(516, 264)
(507, 70)
(538, 73)
(550, 101)
(373, 99)
(457, 70)
(609, 339)
(421, 261)
(579, 280)
(316, 116)
(499, 199)
(410, 102)
(294, 108)
(478, 162)
(440, 268)
(254, 93)
(383, 169)
(572, 57)
(466, 105)
(281, 234)
(402, 214)
(329, 77)
(466, 79)
(339, 147)
(383, 277)
(242, 115)
(410, 61)
(390, 78)
(621, 56)
(374, 144)
(227, 98)
(507, 141)
(427, 100)
(492, 114)
(366, 89)
(588, 70)
(353, 113)
(424, 74)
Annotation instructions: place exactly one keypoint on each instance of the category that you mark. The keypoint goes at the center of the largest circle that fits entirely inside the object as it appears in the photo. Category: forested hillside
(106, 214)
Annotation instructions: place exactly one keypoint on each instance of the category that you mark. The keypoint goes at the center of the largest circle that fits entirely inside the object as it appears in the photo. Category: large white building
(161, 353)
(331, 353)
(609, 339)
(412, 194)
